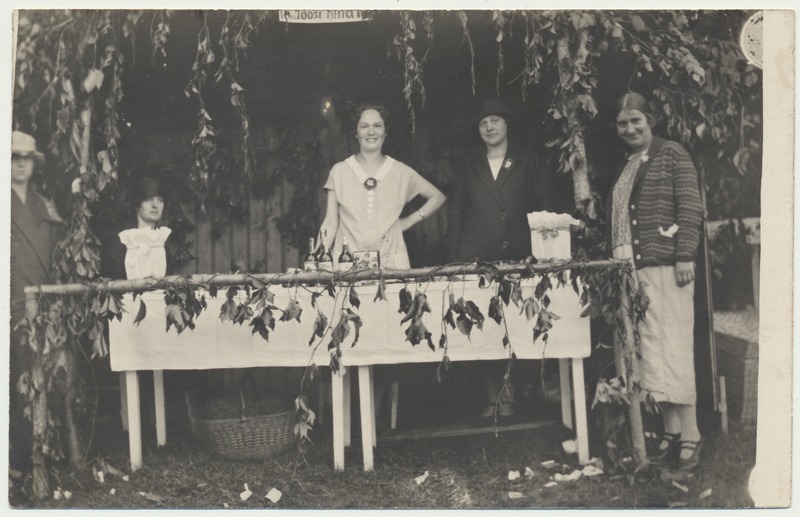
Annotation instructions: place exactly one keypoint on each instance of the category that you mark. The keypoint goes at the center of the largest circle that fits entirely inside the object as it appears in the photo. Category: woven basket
(231, 430)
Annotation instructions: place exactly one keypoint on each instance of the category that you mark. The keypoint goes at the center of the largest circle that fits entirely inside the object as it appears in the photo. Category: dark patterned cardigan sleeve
(688, 203)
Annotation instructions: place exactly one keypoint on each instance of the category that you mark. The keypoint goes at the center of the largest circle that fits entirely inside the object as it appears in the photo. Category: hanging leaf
(443, 340)
(141, 313)
(292, 311)
(243, 313)
(353, 298)
(448, 318)
(381, 293)
(405, 301)
(464, 324)
(320, 324)
(495, 311)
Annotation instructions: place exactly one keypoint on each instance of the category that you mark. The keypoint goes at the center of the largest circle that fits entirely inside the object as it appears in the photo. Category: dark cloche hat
(493, 106)
(145, 187)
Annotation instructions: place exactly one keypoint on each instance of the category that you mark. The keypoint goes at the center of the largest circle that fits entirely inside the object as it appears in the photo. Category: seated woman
(135, 248)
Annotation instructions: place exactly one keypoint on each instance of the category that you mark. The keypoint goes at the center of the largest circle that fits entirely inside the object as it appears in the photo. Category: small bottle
(310, 260)
(326, 258)
(345, 258)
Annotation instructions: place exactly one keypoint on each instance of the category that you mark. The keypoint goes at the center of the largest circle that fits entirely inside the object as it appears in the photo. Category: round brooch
(370, 183)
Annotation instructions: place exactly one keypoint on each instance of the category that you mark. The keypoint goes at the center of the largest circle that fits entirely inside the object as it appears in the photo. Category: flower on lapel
(644, 157)
(508, 163)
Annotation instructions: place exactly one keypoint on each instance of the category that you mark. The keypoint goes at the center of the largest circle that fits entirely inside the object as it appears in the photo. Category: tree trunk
(41, 483)
(74, 444)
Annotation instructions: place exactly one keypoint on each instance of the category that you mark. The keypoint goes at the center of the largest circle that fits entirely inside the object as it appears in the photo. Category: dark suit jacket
(488, 217)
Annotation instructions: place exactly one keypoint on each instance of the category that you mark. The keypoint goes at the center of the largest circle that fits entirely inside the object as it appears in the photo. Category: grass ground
(464, 472)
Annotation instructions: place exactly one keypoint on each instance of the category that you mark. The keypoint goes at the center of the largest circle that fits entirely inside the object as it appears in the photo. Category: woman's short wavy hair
(364, 106)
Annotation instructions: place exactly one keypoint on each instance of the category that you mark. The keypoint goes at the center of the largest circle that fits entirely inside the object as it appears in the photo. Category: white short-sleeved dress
(370, 219)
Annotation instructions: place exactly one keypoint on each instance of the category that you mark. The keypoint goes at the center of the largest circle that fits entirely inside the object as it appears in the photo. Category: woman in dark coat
(496, 188)
(36, 230)
(656, 217)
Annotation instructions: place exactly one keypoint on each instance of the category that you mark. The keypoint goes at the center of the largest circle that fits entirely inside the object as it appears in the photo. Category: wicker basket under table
(221, 426)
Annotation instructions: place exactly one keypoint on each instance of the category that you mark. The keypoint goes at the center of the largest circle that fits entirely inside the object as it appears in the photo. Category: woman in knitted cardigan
(656, 215)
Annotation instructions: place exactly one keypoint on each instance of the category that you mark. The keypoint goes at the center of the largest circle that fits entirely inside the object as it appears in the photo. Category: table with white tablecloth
(215, 344)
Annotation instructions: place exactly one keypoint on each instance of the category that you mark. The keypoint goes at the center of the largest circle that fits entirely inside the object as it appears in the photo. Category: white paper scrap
(513, 475)
(550, 484)
(225, 505)
(274, 495)
(57, 494)
(113, 491)
(682, 488)
(421, 479)
(126, 478)
(705, 493)
(244, 496)
(515, 495)
(529, 473)
(591, 470)
(549, 464)
(569, 446)
(67, 494)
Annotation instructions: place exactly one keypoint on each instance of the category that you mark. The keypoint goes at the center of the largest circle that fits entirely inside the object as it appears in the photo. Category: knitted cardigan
(665, 192)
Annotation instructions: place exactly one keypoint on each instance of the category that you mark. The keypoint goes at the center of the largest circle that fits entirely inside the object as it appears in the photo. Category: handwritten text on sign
(320, 16)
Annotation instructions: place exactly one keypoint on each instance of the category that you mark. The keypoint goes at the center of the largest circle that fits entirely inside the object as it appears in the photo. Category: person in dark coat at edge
(36, 230)
(496, 187)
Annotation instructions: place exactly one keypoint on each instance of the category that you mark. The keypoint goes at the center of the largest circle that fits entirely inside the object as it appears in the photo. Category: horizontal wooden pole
(304, 277)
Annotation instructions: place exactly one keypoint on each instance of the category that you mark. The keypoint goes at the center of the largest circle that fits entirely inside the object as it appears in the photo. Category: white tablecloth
(216, 344)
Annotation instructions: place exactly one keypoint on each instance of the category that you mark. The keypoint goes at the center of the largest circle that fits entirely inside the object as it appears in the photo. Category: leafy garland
(85, 316)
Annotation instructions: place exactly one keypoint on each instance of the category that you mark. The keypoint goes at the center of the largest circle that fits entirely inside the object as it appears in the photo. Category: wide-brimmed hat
(493, 107)
(145, 187)
(23, 144)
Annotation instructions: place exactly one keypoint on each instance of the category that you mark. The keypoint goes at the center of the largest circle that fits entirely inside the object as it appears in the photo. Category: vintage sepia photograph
(399, 259)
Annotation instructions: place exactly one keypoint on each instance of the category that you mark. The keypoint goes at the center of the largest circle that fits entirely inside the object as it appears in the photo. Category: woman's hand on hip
(684, 273)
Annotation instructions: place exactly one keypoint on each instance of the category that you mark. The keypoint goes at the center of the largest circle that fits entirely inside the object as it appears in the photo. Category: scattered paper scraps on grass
(529, 473)
(99, 475)
(596, 462)
(151, 497)
(244, 496)
(677, 504)
(515, 495)
(591, 470)
(705, 493)
(569, 446)
(421, 479)
(550, 484)
(513, 475)
(549, 464)
(682, 488)
(274, 495)
(572, 476)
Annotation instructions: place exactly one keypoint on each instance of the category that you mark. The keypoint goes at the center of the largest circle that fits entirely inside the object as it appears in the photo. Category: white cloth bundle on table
(146, 255)
(550, 237)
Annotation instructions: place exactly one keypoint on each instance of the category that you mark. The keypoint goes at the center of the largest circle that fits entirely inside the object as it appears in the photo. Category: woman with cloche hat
(495, 188)
(36, 230)
(656, 214)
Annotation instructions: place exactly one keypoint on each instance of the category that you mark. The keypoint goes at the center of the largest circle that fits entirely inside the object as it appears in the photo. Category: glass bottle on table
(326, 258)
(310, 260)
(345, 257)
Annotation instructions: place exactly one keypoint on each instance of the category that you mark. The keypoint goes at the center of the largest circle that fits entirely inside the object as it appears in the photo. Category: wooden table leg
(581, 424)
(123, 401)
(367, 414)
(566, 395)
(134, 419)
(161, 412)
(337, 416)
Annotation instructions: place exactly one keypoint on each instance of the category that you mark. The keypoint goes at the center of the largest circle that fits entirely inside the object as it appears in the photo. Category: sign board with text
(320, 16)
